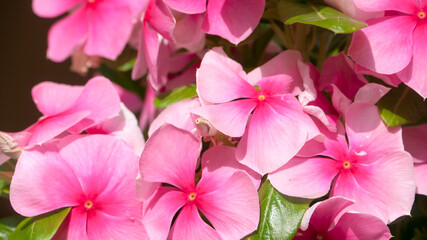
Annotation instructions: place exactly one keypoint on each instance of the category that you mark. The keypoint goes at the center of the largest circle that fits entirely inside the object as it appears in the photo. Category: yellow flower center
(421, 15)
(346, 164)
(261, 97)
(88, 204)
(192, 196)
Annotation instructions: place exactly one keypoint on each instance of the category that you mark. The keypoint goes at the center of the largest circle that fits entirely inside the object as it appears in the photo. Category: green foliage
(176, 95)
(5, 231)
(41, 227)
(280, 215)
(291, 12)
(402, 105)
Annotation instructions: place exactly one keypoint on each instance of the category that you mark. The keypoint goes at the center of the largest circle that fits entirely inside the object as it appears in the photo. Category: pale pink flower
(415, 140)
(330, 219)
(233, 20)
(225, 194)
(124, 126)
(349, 8)
(373, 169)
(93, 174)
(99, 27)
(177, 114)
(394, 43)
(153, 53)
(70, 109)
(277, 128)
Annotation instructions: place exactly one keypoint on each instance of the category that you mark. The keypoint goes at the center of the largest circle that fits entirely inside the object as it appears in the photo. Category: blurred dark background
(23, 63)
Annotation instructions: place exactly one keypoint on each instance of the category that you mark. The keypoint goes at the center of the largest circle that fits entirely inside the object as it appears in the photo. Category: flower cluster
(254, 106)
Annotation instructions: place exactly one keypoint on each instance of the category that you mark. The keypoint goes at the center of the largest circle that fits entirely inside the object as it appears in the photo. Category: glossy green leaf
(176, 95)
(5, 231)
(291, 12)
(280, 215)
(41, 227)
(402, 105)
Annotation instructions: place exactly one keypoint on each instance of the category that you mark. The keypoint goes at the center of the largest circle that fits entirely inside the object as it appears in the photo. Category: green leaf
(5, 231)
(128, 65)
(176, 95)
(291, 12)
(280, 215)
(402, 105)
(41, 227)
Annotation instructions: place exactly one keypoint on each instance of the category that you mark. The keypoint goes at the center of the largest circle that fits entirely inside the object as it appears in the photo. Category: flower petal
(230, 203)
(420, 171)
(109, 29)
(104, 226)
(66, 34)
(187, 6)
(160, 18)
(53, 8)
(160, 211)
(189, 225)
(359, 226)
(368, 136)
(53, 98)
(385, 189)
(43, 182)
(177, 114)
(322, 215)
(413, 138)
(94, 160)
(170, 156)
(386, 45)
(100, 98)
(220, 79)
(407, 6)
(52, 126)
(414, 75)
(233, 20)
(74, 226)
(223, 158)
(230, 118)
(305, 177)
(284, 67)
(276, 132)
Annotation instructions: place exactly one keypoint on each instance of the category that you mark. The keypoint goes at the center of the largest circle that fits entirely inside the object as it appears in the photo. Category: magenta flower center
(88, 205)
(91, 1)
(192, 196)
(421, 15)
(319, 236)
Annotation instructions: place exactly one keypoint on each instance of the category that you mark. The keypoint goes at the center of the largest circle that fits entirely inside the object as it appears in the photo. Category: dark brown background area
(23, 63)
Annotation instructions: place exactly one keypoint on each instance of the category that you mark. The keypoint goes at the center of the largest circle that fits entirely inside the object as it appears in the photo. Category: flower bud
(9, 146)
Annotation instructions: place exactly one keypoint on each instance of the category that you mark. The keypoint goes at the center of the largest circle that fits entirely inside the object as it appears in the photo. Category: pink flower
(349, 8)
(394, 43)
(233, 20)
(152, 49)
(373, 169)
(414, 139)
(330, 219)
(225, 194)
(278, 127)
(124, 126)
(94, 175)
(101, 27)
(69, 108)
